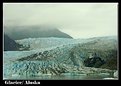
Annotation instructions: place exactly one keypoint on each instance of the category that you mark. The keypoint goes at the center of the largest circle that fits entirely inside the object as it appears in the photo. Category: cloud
(78, 20)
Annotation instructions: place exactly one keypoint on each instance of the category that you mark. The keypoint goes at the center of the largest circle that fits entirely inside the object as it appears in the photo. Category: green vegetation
(110, 64)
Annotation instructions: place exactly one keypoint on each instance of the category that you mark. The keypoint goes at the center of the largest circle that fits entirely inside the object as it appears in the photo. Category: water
(66, 77)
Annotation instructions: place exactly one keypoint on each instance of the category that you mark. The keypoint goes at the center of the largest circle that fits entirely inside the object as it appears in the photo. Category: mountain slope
(10, 44)
(21, 32)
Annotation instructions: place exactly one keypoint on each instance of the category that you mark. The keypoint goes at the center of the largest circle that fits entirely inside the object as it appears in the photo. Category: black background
(57, 82)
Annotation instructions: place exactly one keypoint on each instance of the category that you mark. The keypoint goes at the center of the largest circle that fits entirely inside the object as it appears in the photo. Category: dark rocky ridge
(10, 44)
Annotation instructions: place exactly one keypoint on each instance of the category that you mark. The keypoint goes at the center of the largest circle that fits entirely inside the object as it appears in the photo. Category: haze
(79, 20)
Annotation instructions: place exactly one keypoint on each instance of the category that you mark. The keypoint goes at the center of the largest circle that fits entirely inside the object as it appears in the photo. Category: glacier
(51, 56)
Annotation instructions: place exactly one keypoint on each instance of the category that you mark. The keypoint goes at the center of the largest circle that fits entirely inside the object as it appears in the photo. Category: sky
(79, 20)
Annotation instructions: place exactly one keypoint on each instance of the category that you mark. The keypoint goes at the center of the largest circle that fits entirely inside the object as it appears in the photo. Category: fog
(79, 20)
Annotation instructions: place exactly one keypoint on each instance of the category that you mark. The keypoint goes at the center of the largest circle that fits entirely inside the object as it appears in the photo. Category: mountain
(21, 32)
(10, 44)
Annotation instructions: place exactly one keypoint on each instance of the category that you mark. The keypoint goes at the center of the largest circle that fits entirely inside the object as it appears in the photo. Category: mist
(79, 20)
